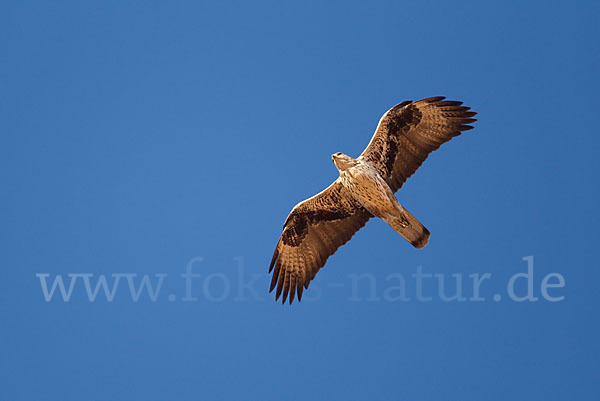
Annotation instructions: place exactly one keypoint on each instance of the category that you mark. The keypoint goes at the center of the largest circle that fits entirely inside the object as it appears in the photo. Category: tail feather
(410, 228)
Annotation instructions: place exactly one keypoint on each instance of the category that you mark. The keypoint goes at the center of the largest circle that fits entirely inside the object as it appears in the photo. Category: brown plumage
(318, 226)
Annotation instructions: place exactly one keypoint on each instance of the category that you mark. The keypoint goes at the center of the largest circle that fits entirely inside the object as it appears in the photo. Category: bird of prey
(318, 226)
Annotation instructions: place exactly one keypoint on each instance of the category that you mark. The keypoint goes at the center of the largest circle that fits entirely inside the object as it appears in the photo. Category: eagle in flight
(318, 226)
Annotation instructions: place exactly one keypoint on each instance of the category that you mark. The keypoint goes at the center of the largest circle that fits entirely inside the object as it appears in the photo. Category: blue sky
(138, 136)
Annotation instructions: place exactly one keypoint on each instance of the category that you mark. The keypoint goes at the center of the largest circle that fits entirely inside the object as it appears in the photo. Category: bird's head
(342, 161)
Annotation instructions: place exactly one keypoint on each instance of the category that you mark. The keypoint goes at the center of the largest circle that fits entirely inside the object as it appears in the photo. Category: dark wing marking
(313, 231)
(409, 131)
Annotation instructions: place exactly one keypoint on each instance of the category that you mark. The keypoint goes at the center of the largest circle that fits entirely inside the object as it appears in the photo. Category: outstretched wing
(409, 131)
(313, 231)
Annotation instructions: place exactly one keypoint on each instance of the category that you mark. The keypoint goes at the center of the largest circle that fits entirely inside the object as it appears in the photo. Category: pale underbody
(373, 193)
(368, 187)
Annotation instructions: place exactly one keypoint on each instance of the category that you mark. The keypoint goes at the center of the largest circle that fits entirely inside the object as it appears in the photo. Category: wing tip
(433, 99)
(274, 259)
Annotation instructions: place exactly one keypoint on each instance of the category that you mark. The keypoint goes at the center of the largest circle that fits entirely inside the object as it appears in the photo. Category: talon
(404, 223)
